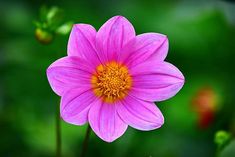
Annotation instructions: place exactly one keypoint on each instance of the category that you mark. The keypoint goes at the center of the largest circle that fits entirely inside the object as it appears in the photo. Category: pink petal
(105, 121)
(152, 46)
(112, 36)
(140, 114)
(67, 73)
(75, 105)
(82, 43)
(156, 81)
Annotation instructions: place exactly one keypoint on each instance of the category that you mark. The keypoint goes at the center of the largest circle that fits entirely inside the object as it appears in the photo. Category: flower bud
(222, 138)
(43, 36)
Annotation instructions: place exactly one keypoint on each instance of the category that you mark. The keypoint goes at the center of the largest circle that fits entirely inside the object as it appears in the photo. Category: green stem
(58, 132)
(85, 142)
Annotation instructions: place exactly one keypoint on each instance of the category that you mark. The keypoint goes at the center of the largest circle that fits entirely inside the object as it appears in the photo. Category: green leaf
(54, 17)
(65, 28)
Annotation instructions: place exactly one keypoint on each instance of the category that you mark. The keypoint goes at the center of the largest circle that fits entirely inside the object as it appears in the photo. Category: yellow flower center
(111, 81)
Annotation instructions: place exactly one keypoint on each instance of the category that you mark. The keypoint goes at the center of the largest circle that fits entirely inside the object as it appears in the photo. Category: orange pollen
(111, 81)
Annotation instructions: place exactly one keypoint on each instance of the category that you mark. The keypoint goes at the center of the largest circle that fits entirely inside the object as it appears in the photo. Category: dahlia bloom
(111, 78)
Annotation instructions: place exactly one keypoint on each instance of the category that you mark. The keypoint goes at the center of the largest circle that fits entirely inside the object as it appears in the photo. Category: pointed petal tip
(83, 25)
(141, 115)
(105, 122)
(108, 139)
(161, 121)
(181, 80)
(158, 123)
(112, 36)
(118, 16)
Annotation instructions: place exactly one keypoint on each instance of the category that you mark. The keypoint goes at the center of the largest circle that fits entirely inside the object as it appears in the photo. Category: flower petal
(112, 36)
(67, 73)
(156, 81)
(75, 105)
(140, 114)
(105, 121)
(82, 43)
(145, 46)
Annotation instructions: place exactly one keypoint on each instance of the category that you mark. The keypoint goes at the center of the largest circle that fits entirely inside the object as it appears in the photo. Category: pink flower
(112, 77)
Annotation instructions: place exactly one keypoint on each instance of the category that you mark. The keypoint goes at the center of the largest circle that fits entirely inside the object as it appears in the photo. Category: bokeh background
(202, 45)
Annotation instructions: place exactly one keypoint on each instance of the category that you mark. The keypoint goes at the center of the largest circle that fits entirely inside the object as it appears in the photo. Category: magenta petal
(67, 73)
(145, 46)
(82, 43)
(140, 114)
(75, 105)
(105, 121)
(112, 36)
(156, 81)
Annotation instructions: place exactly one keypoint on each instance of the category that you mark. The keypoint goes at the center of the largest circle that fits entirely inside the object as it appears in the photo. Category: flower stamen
(111, 81)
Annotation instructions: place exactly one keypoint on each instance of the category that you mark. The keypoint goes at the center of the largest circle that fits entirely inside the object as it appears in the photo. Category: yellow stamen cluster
(111, 81)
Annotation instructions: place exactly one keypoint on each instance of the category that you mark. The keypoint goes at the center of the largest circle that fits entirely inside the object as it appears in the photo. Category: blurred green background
(202, 45)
